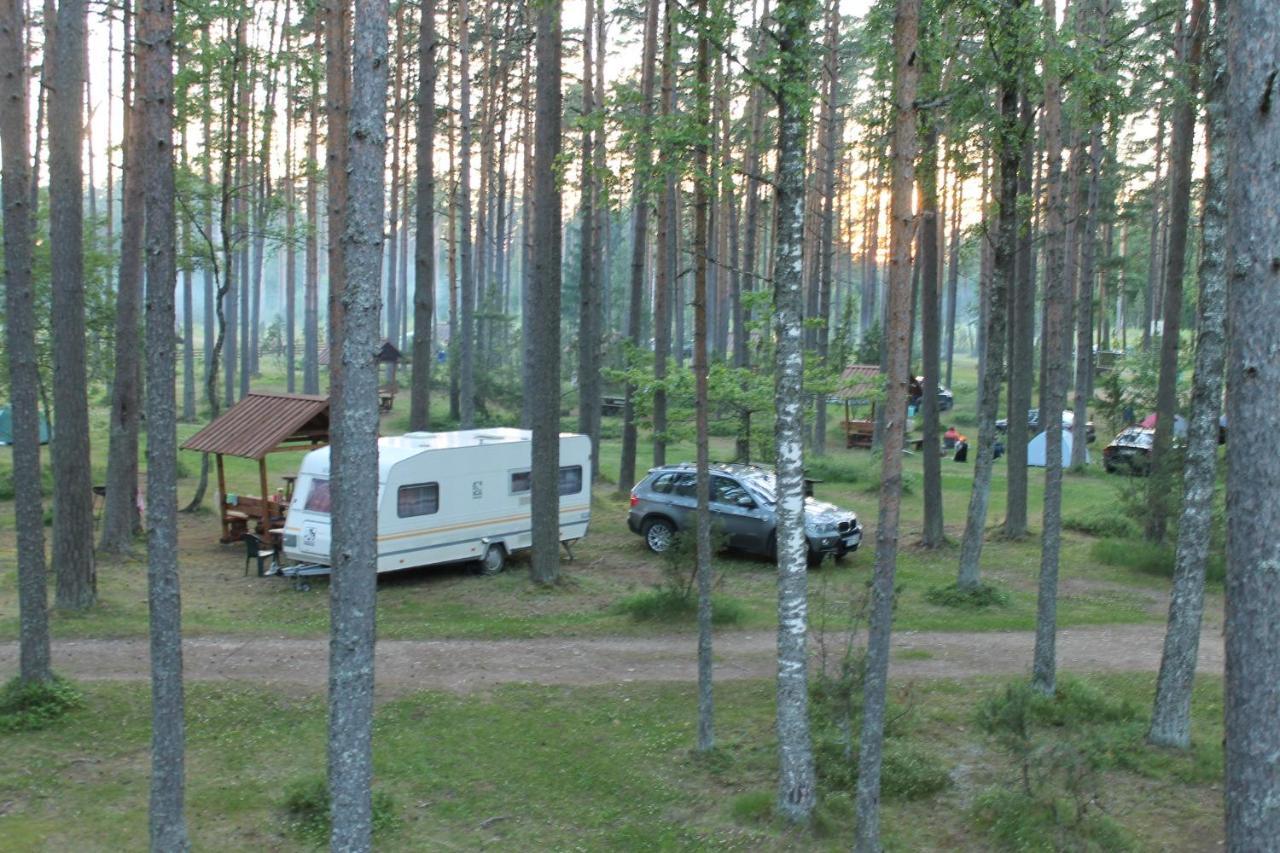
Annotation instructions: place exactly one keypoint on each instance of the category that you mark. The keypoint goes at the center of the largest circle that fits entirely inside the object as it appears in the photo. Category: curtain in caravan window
(571, 480)
(421, 499)
(318, 497)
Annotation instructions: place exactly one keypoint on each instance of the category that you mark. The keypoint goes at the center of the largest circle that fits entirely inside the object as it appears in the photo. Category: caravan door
(308, 521)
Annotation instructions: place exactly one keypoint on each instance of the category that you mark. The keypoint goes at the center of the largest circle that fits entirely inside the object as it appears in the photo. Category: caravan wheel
(493, 561)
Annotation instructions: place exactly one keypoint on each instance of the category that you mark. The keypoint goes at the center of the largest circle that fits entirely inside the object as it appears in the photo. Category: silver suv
(742, 504)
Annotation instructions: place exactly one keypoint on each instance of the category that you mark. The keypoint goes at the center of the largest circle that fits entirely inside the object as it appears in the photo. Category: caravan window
(421, 499)
(318, 497)
(570, 481)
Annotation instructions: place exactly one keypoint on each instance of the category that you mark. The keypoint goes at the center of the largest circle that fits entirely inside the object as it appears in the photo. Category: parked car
(743, 503)
(1129, 451)
(915, 393)
(1068, 422)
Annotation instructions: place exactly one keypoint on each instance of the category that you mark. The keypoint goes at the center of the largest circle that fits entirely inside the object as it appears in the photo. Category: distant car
(1068, 422)
(743, 502)
(915, 393)
(1130, 451)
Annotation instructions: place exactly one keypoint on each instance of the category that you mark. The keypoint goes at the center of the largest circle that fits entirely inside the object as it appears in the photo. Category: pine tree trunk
(953, 274)
(168, 826)
(871, 743)
(668, 226)
(1182, 142)
(337, 95)
(311, 274)
(826, 247)
(424, 247)
(353, 588)
(290, 284)
(120, 519)
(467, 285)
(1153, 249)
(73, 561)
(701, 214)
(1003, 263)
(1022, 318)
(796, 782)
(1055, 336)
(1171, 715)
(545, 323)
(1253, 370)
(20, 341)
(589, 286)
(930, 344)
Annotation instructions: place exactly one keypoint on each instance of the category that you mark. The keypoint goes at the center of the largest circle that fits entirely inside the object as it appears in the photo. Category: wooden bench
(612, 406)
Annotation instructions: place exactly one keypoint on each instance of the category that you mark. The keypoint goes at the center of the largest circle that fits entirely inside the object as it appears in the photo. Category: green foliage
(868, 351)
(753, 807)
(1018, 822)
(665, 605)
(305, 806)
(1102, 521)
(1150, 558)
(975, 598)
(28, 706)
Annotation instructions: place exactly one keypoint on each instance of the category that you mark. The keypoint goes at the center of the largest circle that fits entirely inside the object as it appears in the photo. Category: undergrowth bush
(306, 809)
(665, 604)
(1102, 521)
(1152, 559)
(975, 598)
(29, 706)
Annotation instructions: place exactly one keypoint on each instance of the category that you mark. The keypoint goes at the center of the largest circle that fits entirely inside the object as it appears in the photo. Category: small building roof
(263, 422)
(860, 382)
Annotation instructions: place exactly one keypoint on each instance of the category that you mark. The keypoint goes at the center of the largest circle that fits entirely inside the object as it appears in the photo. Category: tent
(1179, 424)
(1035, 450)
(6, 427)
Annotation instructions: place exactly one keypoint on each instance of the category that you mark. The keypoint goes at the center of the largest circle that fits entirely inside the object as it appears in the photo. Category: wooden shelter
(860, 385)
(260, 424)
(387, 353)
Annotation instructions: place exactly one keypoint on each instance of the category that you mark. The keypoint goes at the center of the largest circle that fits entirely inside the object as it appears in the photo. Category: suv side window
(686, 485)
(663, 483)
(726, 491)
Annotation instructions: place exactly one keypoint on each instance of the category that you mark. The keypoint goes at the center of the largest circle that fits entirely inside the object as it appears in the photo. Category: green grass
(607, 768)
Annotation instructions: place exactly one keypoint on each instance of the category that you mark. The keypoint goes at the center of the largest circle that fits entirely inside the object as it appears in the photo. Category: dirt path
(465, 666)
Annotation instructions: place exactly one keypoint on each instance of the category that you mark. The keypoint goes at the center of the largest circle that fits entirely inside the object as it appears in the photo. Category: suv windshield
(763, 485)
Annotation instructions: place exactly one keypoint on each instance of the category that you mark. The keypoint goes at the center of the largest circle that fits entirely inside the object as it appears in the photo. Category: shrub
(1152, 559)
(911, 772)
(752, 807)
(671, 605)
(1102, 521)
(839, 469)
(28, 706)
(1020, 822)
(976, 598)
(306, 809)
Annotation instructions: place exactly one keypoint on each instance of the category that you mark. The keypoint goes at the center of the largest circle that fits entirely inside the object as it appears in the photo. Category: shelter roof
(859, 382)
(263, 422)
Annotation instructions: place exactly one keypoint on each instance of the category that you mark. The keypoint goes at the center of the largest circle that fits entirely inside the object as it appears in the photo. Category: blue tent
(6, 427)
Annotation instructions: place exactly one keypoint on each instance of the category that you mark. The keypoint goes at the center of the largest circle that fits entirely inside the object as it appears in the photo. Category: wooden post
(266, 498)
(222, 496)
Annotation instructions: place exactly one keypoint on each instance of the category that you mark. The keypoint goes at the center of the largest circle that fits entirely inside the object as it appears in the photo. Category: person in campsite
(962, 449)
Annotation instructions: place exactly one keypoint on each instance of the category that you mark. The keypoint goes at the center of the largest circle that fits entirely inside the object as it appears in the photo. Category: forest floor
(468, 666)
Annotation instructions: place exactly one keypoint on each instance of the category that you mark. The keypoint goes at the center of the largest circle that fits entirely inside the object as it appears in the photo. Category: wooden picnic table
(236, 516)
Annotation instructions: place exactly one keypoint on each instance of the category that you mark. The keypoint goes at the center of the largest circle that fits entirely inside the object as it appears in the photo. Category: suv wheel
(659, 534)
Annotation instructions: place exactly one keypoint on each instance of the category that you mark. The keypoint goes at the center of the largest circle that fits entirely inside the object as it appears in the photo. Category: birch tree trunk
(545, 325)
(906, 79)
(20, 340)
(154, 114)
(796, 782)
(1054, 390)
(424, 247)
(353, 588)
(1171, 716)
(73, 560)
(1182, 141)
(1253, 605)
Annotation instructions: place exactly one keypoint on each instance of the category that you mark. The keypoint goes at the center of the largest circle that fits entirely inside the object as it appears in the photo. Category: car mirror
(746, 502)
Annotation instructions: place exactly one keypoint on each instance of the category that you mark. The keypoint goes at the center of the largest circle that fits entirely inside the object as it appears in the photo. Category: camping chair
(258, 549)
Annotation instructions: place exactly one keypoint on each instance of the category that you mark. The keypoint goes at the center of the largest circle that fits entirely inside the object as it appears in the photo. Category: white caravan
(445, 497)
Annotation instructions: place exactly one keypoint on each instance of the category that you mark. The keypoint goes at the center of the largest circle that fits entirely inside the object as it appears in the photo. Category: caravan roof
(397, 448)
